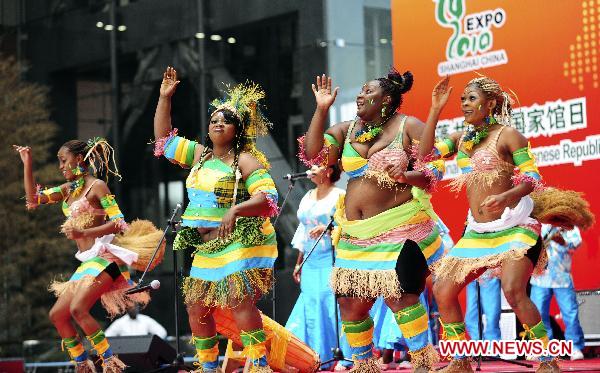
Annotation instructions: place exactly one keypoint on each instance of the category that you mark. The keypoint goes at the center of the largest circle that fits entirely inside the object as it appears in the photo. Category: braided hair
(492, 91)
(395, 85)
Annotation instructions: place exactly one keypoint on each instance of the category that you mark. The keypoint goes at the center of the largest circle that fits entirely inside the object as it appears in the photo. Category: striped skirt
(115, 301)
(225, 272)
(475, 251)
(367, 250)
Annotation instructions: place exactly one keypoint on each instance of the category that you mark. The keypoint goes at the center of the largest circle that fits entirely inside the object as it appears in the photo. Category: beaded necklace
(370, 131)
(474, 135)
(76, 186)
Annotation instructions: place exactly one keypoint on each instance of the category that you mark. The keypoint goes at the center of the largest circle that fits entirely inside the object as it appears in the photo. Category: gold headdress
(243, 101)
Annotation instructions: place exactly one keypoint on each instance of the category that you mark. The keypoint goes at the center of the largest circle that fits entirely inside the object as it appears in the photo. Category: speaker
(589, 304)
(142, 353)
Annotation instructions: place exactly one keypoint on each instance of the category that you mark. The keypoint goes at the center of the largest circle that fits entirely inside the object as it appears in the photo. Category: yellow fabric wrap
(415, 211)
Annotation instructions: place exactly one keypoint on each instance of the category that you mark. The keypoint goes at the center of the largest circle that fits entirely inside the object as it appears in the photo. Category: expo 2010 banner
(546, 52)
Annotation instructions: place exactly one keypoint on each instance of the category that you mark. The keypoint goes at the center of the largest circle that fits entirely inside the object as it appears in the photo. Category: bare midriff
(365, 198)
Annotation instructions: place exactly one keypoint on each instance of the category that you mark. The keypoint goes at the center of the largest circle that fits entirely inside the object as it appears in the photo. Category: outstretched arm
(439, 98)
(162, 116)
(34, 197)
(319, 146)
(176, 149)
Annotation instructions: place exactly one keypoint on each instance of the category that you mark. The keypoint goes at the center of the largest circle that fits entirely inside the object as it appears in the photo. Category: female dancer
(93, 220)
(500, 231)
(231, 197)
(388, 229)
(313, 316)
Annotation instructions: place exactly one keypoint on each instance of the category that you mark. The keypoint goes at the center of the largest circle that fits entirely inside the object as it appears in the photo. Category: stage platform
(587, 365)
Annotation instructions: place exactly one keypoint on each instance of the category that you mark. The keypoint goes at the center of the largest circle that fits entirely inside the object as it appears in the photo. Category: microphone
(301, 175)
(175, 211)
(154, 285)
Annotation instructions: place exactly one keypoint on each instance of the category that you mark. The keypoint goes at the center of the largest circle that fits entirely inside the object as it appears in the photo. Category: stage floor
(587, 365)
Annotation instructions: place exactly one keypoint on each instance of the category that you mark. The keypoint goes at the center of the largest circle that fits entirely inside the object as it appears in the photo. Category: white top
(313, 212)
(125, 326)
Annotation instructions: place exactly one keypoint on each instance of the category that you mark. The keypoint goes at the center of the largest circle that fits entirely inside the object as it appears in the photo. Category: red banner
(546, 52)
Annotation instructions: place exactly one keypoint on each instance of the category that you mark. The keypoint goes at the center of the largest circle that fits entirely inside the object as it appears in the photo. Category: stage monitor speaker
(142, 353)
(589, 304)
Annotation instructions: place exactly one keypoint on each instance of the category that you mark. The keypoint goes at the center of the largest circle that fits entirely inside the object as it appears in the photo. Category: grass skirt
(226, 271)
(115, 301)
(475, 251)
(368, 249)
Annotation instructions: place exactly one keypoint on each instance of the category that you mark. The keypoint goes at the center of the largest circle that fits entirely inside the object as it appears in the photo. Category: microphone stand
(171, 225)
(338, 354)
(285, 198)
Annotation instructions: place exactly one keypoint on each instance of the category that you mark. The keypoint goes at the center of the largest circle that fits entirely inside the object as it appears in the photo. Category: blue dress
(313, 319)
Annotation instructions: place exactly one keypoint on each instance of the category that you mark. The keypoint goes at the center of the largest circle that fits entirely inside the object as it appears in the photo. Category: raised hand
(441, 92)
(169, 82)
(24, 152)
(323, 94)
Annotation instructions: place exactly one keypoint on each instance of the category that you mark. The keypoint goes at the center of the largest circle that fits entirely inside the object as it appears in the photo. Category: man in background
(557, 280)
(134, 323)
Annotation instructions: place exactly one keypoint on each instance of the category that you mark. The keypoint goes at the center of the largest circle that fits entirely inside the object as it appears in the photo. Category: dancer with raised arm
(227, 221)
(387, 234)
(95, 223)
(502, 231)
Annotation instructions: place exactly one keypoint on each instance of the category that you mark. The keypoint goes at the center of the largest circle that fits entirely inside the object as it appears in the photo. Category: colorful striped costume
(489, 244)
(100, 256)
(224, 271)
(368, 250)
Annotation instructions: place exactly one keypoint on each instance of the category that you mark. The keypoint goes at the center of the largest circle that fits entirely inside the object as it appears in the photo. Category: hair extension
(97, 154)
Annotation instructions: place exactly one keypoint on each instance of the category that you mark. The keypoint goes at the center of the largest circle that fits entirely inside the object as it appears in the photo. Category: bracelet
(297, 268)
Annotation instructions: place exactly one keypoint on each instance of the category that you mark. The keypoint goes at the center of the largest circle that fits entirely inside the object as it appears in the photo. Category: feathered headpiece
(243, 101)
